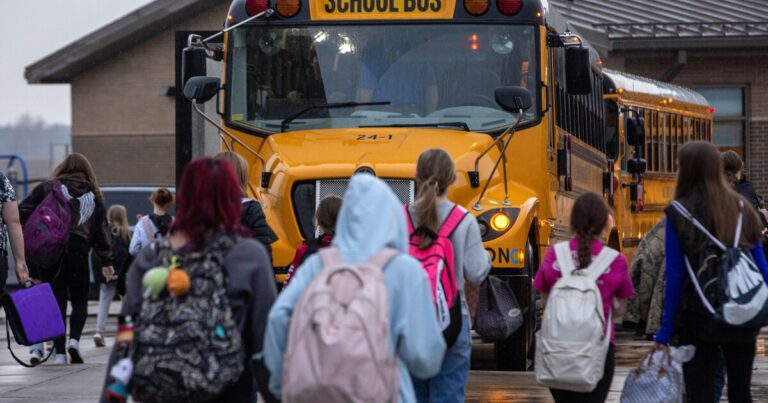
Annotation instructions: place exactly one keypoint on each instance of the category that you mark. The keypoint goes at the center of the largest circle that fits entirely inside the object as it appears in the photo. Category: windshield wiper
(284, 124)
(461, 125)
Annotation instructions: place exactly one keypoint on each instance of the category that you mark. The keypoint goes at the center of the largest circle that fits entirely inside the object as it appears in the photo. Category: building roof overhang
(61, 66)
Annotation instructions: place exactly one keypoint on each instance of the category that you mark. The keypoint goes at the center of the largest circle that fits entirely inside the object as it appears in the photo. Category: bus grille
(307, 195)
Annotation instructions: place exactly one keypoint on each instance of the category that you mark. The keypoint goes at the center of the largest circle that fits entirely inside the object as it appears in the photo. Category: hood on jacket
(76, 182)
(371, 218)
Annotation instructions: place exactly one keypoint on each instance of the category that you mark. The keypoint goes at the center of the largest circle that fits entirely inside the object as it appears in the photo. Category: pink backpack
(437, 260)
(338, 343)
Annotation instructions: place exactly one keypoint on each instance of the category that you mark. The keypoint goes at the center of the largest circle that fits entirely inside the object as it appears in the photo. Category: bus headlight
(496, 222)
(500, 221)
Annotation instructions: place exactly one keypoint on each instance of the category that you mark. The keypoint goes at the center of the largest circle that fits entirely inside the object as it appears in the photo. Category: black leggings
(72, 284)
(601, 390)
(700, 371)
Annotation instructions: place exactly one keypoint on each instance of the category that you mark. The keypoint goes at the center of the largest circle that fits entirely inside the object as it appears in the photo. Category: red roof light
(253, 7)
(509, 7)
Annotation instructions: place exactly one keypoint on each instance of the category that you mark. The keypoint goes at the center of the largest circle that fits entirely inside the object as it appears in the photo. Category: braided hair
(588, 219)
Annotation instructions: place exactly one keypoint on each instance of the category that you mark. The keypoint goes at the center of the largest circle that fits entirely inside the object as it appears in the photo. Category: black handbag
(498, 312)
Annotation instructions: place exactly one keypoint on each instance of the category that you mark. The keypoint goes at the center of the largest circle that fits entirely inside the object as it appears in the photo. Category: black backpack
(729, 285)
(188, 349)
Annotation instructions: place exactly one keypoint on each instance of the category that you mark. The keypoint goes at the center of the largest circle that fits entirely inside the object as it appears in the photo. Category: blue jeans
(449, 385)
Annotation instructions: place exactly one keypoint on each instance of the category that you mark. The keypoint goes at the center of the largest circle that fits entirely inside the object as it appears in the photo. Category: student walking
(205, 240)
(371, 228)
(590, 220)
(251, 213)
(11, 232)
(325, 222)
(431, 216)
(74, 180)
(733, 167)
(121, 239)
(723, 219)
(155, 225)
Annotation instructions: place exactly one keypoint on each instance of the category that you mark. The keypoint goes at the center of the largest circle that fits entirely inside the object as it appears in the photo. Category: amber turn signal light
(288, 8)
(476, 7)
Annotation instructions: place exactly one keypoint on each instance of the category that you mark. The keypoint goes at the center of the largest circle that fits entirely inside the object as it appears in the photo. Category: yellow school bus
(670, 116)
(314, 91)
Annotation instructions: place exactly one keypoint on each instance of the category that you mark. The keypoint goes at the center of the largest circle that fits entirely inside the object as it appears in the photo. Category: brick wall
(120, 120)
(130, 160)
(758, 164)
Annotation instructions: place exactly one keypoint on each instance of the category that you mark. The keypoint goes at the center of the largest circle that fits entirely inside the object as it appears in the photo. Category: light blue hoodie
(370, 219)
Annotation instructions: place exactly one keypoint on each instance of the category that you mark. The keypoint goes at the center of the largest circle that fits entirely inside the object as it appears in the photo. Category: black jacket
(252, 217)
(745, 188)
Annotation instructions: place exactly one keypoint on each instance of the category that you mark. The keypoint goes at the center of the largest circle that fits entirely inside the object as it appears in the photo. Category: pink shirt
(615, 282)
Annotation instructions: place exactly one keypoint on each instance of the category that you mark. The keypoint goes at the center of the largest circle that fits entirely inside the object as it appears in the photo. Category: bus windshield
(426, 75)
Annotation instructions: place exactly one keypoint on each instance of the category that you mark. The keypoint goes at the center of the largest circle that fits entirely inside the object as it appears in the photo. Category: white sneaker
(35, 356)
(74, 352)
(98, 339)
(59, 359)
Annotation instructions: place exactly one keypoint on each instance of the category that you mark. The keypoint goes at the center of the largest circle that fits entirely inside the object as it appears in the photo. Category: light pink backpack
(338, 343)
(437, 261)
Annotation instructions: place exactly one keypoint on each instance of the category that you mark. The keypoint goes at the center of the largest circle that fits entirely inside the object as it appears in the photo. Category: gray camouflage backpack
(188, 349)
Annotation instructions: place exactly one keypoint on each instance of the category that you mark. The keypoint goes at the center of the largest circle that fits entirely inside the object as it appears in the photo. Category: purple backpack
(47, 229)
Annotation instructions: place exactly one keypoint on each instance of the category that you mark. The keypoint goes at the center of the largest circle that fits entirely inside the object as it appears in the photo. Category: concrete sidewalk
(53, 383)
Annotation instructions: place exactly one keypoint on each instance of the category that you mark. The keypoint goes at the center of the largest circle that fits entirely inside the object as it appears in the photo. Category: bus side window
(611, 130)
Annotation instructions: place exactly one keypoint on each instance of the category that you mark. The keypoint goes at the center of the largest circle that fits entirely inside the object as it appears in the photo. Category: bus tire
(516, 353)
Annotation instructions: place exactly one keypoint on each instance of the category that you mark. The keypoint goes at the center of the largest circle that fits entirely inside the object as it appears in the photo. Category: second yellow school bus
(315, 91)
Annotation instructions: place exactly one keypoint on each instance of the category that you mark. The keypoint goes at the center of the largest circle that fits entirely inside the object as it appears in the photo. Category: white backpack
(338, 343)
(574, 338)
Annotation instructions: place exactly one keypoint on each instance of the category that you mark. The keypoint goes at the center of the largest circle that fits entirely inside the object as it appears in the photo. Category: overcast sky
(31, 30)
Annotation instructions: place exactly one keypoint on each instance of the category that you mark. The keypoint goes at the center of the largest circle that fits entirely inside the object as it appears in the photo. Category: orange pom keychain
(178, 280)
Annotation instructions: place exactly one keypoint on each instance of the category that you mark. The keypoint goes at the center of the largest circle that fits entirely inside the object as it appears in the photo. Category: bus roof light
(253, 7)
(288, 8)
(476, 7)
(509, 7)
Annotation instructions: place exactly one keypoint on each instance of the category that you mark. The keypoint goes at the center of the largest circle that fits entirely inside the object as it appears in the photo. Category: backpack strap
(737, 235)
(688, 216)
(564, 258)
(382, 257)
(602, 262)
(330, 256)
(408, 220)
(455, 217)
(147, 227)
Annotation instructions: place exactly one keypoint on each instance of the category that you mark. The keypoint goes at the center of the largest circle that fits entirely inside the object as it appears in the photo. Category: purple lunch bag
(33, 315)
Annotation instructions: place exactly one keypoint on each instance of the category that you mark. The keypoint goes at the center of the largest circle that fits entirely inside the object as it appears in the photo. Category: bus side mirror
(637, 166)
(193, 60)
(513, 99)
(636, 131)
(201, 89)
(578, 80)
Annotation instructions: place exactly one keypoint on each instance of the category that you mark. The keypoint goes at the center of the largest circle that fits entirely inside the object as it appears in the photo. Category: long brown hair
(118, 222)
(732, 165)
(589, 217)
(435, 172)
(702, 187)
(77, 163)
(241, 167)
